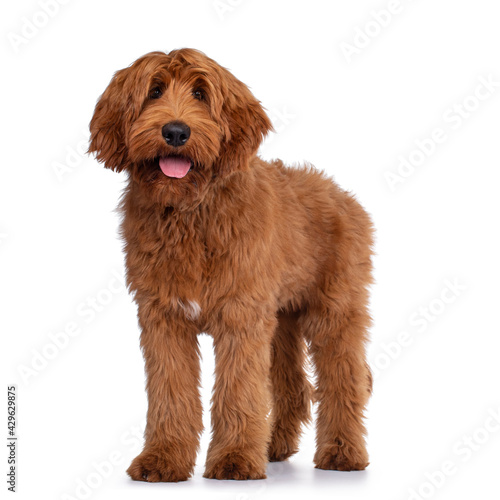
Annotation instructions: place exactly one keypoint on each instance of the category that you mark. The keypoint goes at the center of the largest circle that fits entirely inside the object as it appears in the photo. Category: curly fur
(272, 262)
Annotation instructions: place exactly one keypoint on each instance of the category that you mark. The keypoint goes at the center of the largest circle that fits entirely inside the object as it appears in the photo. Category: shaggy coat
(272, 262)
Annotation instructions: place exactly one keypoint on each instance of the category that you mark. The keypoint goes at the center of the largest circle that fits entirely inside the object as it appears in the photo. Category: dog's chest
(181, 261)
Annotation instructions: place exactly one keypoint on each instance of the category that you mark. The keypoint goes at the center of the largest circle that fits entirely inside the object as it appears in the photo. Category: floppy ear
(246, 125)
(107, 127)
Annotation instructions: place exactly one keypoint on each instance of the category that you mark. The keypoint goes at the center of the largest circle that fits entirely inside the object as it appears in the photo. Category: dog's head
(176, 122)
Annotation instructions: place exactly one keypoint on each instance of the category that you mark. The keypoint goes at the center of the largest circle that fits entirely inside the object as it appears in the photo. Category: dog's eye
(198, 94)
(156, 93)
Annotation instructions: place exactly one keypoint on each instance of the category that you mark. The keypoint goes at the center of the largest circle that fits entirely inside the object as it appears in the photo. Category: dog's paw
(154, 466)
(341, 457)
(280, 450)
(276, 456)
(233, 466)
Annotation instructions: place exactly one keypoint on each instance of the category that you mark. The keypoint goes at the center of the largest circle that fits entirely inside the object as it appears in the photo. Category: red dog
(260, 256)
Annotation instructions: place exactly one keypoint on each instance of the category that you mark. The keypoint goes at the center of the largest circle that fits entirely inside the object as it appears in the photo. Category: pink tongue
(175, 167)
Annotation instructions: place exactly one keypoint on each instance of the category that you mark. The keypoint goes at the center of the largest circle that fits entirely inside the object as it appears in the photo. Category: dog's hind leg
(336, 325)
(335, 322)
(343, 388)
(291, 390)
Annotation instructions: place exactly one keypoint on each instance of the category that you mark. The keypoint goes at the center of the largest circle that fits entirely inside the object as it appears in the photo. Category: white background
(353, 118)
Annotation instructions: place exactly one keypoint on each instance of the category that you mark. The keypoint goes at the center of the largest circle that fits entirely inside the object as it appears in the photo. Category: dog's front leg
(174, 421)
(241, 397)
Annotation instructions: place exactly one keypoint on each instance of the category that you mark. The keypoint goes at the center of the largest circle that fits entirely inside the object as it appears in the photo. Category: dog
(273, 262)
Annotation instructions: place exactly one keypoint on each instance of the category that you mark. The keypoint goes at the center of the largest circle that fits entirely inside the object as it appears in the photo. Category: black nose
(176, 133)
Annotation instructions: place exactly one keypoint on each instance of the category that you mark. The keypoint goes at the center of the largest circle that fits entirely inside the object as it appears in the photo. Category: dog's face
(177, 122)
